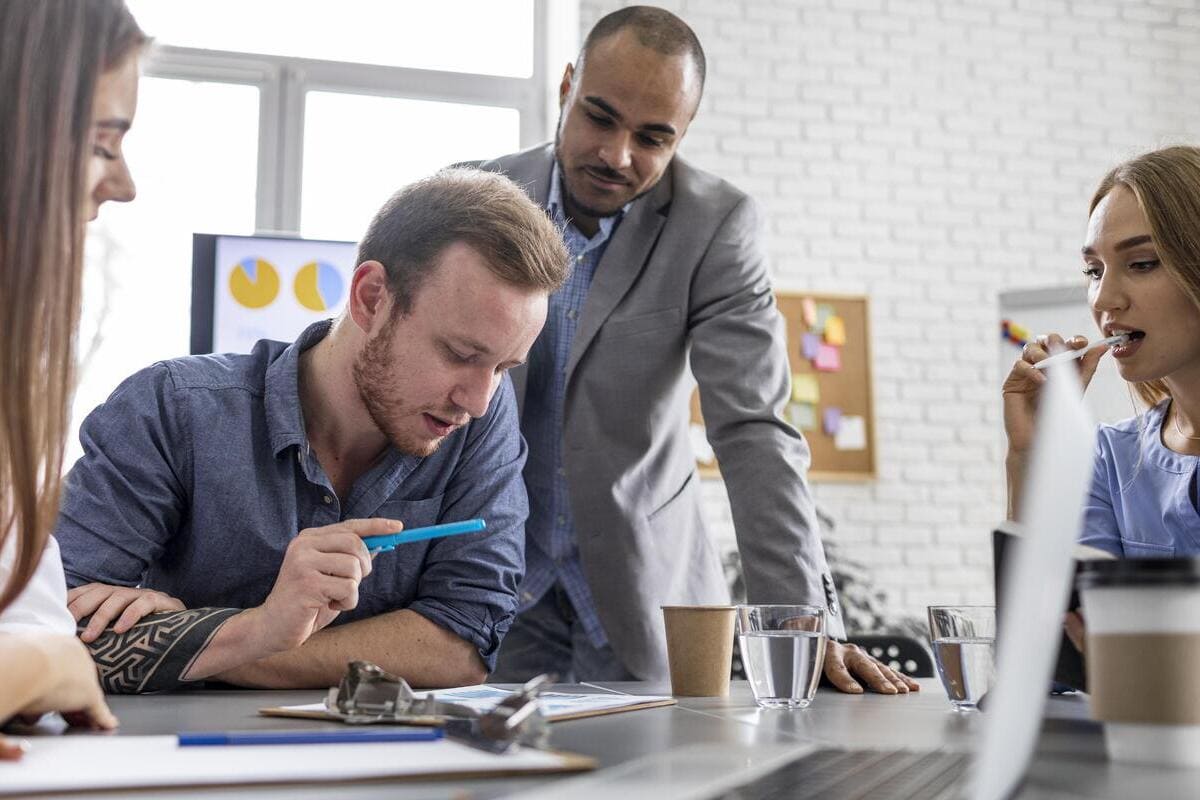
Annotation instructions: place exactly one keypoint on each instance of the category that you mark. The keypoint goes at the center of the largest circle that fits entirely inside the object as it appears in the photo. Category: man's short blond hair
(484, 210)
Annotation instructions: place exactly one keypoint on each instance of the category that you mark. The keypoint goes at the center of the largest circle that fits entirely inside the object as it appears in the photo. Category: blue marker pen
(381, 544)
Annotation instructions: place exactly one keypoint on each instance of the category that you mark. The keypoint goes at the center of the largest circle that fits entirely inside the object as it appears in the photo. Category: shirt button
(526, 596)
(562, 520)
(579, 257)
(327, 499)
(562, 472)
(572, 313)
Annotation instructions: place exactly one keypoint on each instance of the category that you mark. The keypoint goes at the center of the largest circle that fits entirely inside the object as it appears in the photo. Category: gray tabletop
(1069, 762)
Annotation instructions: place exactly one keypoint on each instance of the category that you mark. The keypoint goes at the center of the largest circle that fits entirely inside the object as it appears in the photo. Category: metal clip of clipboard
(368, 694)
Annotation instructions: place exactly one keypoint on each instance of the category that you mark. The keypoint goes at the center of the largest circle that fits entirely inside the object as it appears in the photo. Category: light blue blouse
(1142, 501)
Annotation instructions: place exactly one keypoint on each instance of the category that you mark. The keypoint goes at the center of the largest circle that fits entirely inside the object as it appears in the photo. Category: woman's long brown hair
(1166, 184)
(52, 53)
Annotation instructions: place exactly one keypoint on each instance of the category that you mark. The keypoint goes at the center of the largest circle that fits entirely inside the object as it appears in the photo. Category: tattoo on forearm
(155, 654)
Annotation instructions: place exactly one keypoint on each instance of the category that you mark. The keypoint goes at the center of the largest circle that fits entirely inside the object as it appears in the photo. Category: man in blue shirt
(231, 491)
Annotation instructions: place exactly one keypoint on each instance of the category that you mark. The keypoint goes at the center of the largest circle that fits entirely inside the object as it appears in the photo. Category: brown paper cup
(699, 649)
(1143, 631)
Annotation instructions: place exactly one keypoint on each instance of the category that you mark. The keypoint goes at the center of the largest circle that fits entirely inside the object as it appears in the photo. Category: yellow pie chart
(318, 286)
(254, 283)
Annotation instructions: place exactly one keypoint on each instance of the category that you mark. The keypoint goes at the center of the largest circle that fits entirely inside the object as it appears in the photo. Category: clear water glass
(783, 651)
(964, 649)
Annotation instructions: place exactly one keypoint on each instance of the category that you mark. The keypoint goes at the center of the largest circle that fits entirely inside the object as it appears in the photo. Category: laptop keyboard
(835, 774)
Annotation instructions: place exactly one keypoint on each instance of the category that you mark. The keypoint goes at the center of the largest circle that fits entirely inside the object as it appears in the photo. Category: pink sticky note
(829, 358)
(831, 420)
(809, 344)
(808, 311)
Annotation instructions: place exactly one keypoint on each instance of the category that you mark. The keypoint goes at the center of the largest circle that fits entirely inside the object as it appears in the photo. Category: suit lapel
(531, 171)
(624, 259)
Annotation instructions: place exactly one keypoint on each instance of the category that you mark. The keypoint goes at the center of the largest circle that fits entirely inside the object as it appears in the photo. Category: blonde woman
(68, 92)
(1141, 258)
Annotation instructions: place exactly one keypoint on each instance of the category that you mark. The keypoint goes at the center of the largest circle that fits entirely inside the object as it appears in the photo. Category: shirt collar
(281, 392)
(554, 204)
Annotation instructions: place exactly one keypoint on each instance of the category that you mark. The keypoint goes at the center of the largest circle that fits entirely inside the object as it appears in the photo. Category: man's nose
(617, 152)
(474, 394)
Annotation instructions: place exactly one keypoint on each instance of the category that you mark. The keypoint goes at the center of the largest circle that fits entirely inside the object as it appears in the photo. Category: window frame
(284, 81)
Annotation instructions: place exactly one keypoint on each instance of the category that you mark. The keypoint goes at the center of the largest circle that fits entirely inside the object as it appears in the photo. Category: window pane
(358, 150)
(490, 37)
(193, 152)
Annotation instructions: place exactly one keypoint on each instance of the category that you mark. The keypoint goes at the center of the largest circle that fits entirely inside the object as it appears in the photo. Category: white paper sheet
(852, 435)
(72, 763)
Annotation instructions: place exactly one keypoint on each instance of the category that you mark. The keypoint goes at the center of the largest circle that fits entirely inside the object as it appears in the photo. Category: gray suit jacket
(684, 276)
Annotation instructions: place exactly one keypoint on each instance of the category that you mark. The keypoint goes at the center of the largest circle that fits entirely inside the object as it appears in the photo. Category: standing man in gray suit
(667, 266)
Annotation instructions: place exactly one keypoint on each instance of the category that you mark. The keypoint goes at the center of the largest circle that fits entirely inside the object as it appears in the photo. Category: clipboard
(556, 706)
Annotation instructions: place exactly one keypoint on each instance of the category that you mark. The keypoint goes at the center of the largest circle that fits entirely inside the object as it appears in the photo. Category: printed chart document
(556, 706)
(76, 763)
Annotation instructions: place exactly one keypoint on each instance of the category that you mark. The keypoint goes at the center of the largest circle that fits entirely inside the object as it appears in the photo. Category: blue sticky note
(810, 344)
(832, 420)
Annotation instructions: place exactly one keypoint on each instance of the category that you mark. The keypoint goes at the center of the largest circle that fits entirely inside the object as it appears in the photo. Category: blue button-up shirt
(1143, 497)
(551, 551)
(197, 473)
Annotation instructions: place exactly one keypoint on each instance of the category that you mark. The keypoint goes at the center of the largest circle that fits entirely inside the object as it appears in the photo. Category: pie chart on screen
(254, 283)
(319, 286)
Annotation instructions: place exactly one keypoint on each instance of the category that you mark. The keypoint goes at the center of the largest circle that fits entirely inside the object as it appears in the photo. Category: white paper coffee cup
(1143, 656)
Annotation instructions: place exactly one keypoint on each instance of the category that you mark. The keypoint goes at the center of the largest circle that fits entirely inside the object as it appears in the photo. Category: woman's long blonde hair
(52, 52)
(1166, 184)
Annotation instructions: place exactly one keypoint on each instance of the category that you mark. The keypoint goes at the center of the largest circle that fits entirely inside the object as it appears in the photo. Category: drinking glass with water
(783, 650)
(964, 649)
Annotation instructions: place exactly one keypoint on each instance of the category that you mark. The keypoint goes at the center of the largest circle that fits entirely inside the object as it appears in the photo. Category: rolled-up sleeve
(469, 583)
(124, 498)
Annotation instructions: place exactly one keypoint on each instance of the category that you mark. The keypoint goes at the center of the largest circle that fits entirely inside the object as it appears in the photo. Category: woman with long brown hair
(1141, 258)
(68, 90)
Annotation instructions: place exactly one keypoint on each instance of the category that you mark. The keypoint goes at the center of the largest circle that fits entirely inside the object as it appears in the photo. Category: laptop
(1037, 583)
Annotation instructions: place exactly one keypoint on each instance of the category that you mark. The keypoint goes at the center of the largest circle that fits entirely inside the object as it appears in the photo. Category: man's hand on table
(847, 667)
(105, 603)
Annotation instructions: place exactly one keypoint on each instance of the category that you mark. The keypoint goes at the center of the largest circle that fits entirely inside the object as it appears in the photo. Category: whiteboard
(1064, 310)
(246, 288)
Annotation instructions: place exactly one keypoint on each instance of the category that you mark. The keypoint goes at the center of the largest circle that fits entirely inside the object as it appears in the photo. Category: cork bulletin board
(829, 349)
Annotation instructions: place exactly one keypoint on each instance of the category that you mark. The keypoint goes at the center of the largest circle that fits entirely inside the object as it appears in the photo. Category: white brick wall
(931, 154)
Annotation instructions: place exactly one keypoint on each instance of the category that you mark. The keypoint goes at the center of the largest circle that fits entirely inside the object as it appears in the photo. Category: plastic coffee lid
(1138, 572)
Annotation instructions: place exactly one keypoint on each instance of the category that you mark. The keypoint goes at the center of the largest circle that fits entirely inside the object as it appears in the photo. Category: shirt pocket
(1134, 549)
(413, 513)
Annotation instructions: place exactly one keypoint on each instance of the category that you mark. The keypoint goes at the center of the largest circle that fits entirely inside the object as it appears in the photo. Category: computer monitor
(246, 288)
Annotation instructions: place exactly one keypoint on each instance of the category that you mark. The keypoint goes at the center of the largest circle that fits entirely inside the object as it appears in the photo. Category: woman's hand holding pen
(1020, 391)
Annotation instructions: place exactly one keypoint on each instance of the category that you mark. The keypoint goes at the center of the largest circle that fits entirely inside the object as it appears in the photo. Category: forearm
(165, 651)
(1014, 471)
(402, 642)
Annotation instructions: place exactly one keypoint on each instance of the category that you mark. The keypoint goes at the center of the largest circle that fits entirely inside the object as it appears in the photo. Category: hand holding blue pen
(382, 544)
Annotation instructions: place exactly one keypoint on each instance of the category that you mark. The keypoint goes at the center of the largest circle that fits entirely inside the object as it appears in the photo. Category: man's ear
(370, 300)
(564, 88)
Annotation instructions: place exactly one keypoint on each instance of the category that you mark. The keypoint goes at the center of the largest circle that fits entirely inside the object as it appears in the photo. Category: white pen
(1071, 355)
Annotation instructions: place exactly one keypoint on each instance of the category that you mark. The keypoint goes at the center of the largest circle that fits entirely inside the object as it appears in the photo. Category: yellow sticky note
(805, 388)
(835, 331)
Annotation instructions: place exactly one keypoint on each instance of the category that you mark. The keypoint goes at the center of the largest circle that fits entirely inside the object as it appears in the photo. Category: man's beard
(373, 363)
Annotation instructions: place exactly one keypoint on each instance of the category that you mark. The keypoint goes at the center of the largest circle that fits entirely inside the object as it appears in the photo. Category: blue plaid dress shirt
(551, 553)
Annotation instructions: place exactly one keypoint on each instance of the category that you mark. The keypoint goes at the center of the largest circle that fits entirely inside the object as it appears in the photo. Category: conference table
(1069, 761)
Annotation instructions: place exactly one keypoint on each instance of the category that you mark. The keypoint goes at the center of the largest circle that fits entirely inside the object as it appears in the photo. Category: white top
(43, 603)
